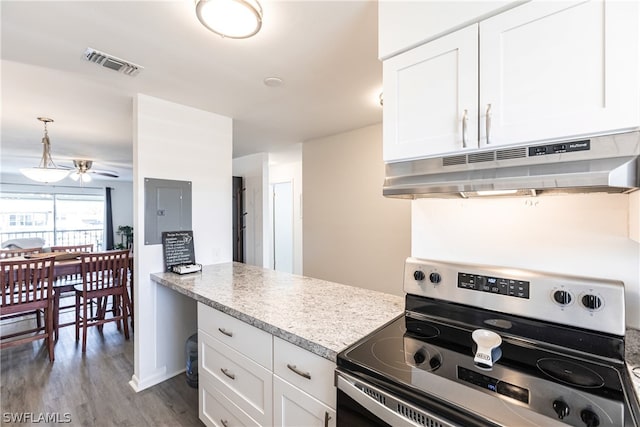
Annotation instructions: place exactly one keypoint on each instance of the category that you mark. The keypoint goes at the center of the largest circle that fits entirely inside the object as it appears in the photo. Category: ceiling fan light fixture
(81, 176)
(47, 171)
(44, 175)
(235, 19)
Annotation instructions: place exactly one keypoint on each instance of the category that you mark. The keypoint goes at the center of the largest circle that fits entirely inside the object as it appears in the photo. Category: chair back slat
(12, 253)
(104, 270)
(73, 248)
(26, 281)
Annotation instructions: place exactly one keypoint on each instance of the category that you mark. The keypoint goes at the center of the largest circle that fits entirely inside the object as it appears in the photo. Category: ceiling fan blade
(105, 173)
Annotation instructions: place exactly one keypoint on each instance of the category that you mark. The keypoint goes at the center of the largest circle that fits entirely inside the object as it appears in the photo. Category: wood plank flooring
(90, 389)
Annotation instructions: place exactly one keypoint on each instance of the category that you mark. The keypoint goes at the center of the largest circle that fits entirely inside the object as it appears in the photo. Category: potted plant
(126, 236)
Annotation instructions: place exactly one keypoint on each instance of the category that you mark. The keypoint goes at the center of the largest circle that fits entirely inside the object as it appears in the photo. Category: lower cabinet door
(218, 411)
(294, 407)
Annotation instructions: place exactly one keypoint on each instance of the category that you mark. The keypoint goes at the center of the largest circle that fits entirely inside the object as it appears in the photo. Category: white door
(427, 91)
(282, 226)
(293, 407)
(558, 69)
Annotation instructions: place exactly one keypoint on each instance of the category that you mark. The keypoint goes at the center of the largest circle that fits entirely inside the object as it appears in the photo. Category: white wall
(176, 142)
(634, 217)
(585, 235)
(286, 166)
(254, 170)
(121, 206)
(352, 234)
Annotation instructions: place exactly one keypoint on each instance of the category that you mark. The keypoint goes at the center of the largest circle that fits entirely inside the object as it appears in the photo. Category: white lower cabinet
(216, 410)
(294, 407)
(249, 379)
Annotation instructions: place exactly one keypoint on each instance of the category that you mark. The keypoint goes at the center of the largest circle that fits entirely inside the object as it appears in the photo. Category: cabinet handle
(488, 123)
(307, 375)
(226, 372)
(225, 423)
(465, 119)
(327, 417)
(225, 332)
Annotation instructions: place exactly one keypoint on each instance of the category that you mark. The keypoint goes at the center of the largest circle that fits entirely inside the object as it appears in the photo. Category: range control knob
(562, 297)
(561, 408)
(592, 302)
(419, 275)
(435, 278)
(419, 357)
(589, 418)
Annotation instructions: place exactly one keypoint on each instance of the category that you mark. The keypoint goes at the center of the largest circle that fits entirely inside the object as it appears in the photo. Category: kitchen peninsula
(268, 340)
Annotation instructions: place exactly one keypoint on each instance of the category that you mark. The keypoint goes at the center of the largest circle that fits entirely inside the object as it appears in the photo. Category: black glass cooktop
(429, 359)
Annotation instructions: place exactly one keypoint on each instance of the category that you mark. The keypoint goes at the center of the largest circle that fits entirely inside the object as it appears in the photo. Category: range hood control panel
(564, 147)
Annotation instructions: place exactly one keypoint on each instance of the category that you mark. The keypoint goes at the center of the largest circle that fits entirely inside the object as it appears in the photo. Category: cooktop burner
(570, 373)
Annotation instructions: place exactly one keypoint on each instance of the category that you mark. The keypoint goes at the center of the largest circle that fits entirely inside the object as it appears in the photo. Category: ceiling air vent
(112, 62)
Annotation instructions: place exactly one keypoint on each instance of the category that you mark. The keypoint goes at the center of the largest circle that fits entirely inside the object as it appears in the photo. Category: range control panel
(590, 303)
(494, 285)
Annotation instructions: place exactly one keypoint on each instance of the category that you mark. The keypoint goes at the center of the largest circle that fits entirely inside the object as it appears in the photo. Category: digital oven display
(494, 285)
(488, 383)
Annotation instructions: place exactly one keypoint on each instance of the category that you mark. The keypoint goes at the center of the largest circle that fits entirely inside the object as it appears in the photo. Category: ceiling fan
(83, 171)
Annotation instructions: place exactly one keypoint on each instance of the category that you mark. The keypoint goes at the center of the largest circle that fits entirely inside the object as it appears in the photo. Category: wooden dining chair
(27, 286)
(64, 285)
(73, 248)
(104, 274)
(12, 253)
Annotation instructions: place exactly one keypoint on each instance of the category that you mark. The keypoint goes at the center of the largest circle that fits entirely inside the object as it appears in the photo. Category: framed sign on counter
(177, 248)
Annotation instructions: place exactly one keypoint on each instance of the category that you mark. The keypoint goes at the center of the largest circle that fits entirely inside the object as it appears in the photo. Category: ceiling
(325, 52)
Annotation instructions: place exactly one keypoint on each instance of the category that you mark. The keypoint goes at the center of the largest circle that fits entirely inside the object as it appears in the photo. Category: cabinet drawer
(244, 382)
(307, 371)
(216, 410)
(248, 340)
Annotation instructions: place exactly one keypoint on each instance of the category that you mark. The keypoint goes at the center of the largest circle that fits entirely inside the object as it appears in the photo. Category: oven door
(361, 404)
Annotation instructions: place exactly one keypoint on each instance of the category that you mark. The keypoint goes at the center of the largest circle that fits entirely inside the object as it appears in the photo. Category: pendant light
(47, 171)
(235, 19)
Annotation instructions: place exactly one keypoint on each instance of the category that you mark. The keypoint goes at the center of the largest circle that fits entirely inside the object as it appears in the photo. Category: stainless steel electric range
(489, 346)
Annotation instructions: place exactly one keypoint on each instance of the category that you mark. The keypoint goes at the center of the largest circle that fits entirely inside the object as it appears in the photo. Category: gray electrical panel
(167, 207)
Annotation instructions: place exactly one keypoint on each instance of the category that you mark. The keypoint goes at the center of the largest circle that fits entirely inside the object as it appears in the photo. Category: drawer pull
(225, 423)
(327, 417)
(227, 373)
(307, 375)
(225, 332)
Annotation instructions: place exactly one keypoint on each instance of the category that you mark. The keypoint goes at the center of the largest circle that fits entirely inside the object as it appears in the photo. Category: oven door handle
(347, 384)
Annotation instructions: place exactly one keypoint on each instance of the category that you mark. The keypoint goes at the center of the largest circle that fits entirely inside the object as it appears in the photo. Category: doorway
(282, 226)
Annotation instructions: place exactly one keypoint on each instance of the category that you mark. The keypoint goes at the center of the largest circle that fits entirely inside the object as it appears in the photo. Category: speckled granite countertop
(319, 316)
(632, 357)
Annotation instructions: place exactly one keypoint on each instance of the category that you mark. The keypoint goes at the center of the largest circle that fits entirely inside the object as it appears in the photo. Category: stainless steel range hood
(598, 164)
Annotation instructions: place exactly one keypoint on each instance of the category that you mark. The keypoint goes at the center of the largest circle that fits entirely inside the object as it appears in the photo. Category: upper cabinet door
(426, 93)
(557, 69)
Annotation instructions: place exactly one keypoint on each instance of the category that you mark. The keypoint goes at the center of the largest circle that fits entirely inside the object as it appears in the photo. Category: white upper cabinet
(547, 70)
(403, 24)
(559, 69)
(427, 91)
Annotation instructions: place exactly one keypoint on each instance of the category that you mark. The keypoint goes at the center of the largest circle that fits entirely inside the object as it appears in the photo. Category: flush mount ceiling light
(47, 171)
(236, 19)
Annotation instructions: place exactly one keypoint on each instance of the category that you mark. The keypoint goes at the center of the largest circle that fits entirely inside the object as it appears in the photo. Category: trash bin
(192, 360)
